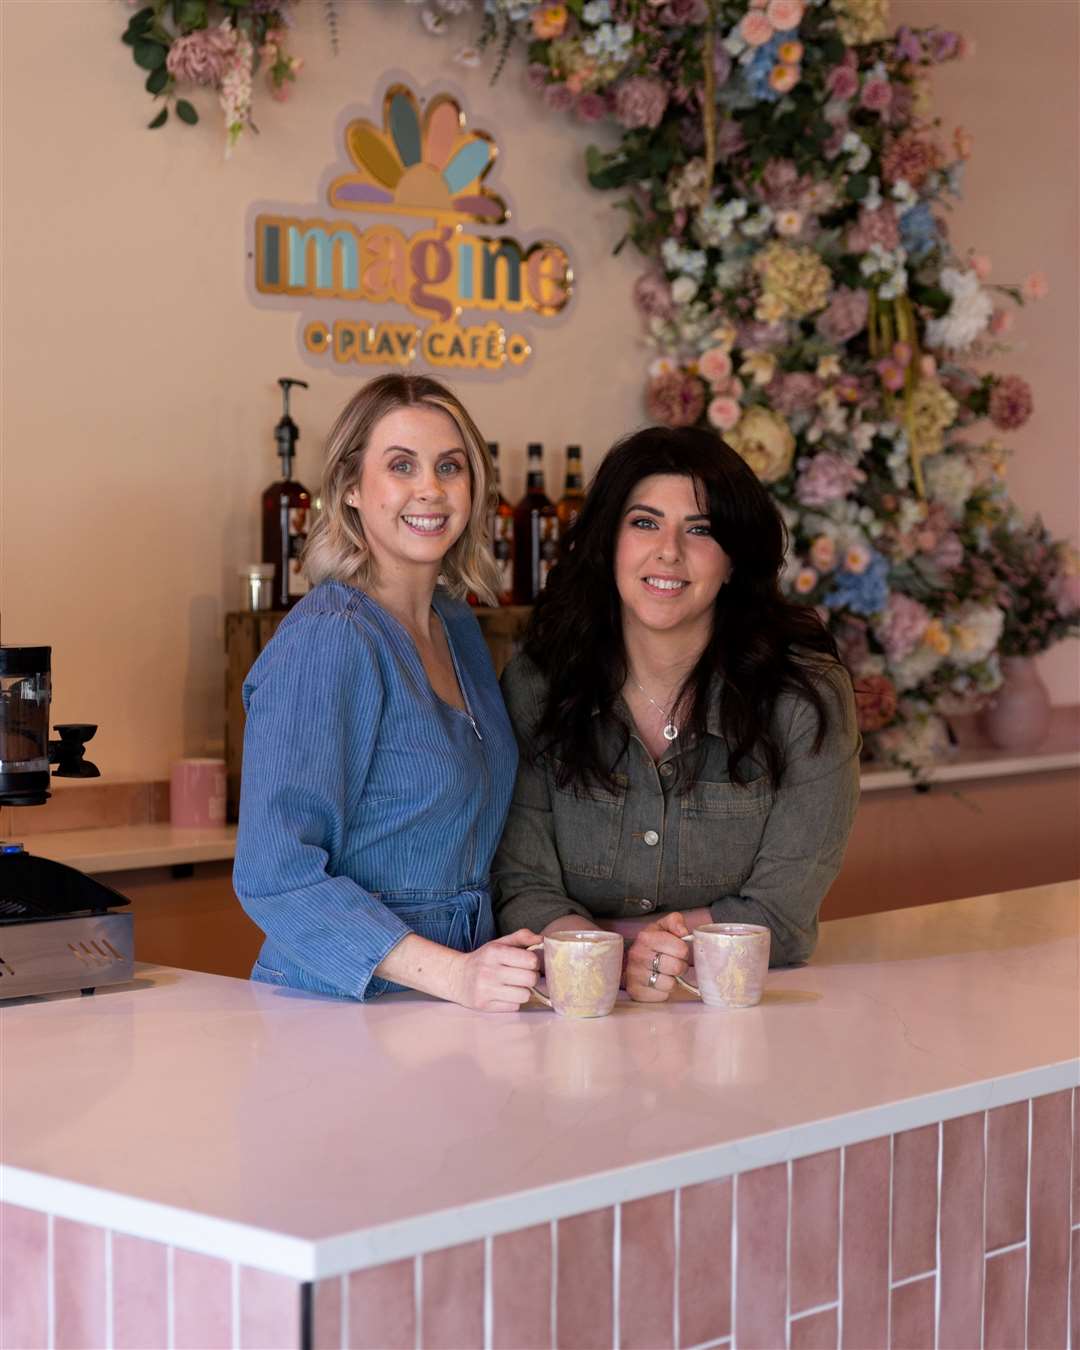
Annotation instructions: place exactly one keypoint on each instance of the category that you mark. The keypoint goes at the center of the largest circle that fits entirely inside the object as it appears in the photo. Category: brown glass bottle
(286, 512)
(501, 533)
(569, 507)
(536, 532)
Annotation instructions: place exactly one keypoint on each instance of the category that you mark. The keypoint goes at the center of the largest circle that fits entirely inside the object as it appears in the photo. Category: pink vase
(1018, 717)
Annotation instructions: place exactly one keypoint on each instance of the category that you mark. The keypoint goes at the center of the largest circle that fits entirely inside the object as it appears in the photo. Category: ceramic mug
(730, 961)
(197, 793)
(582, 970)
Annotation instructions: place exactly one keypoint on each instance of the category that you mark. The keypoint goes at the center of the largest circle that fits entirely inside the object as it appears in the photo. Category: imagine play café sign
(409, 264)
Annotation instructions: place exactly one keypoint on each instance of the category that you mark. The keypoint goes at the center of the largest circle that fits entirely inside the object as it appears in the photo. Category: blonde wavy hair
(337, 548)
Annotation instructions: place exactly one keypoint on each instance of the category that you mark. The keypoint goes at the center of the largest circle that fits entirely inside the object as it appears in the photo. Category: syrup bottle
(501, 533)
(569, 507)
(286, 510)
(536, 532)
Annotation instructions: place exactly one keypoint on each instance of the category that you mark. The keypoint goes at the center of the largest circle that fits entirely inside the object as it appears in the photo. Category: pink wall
(138, 381)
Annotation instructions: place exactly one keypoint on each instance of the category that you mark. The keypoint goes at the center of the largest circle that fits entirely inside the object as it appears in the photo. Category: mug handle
(690, 988)
(538, 947)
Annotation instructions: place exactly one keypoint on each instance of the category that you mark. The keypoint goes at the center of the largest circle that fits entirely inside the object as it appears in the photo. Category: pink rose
(794, 392)
(876, 95)
(826, 479)
(724, 412)
(714, 365)
(891, 375)
(845, 317)
(901, 626)
(652, 294)
(981, 265)
(202, 57)
(640, 102)
(842, 82)
(823, 553)
(676, 400)
(559, 97)
(755, 29)
(591, 107)
(1011, 403)
(784, 14)
(1001, 321)
(874, 227)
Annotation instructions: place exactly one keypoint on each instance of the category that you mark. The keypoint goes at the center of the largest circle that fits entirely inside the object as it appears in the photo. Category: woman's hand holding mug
(658, 955)
(499, 976)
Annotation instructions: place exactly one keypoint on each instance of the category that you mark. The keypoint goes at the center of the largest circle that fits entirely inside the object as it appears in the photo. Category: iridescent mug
(582, 971)
(730, 962)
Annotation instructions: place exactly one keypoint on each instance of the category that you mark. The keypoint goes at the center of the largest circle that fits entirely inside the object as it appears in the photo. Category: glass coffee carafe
(25, 691)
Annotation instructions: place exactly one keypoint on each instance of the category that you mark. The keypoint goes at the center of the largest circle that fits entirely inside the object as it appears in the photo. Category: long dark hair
(762, 644)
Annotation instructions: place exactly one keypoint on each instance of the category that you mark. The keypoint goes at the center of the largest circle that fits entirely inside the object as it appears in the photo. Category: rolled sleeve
(803, 845)
(526, 875)
(312, 721)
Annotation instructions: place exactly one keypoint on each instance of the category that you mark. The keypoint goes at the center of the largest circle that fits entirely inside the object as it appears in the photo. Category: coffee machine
(59, 929)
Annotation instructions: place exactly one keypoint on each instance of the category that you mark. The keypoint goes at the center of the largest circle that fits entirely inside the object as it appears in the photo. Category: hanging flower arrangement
(788, 184)
(191, 43)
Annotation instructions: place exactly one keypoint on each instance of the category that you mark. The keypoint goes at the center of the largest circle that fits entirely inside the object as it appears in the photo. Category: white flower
(873, 198)
(915, 667)
(686, 261)
(596, 11)
(712, 226)
(728, 275)
(904, 195)
(968, 316)
(468, 57)
(789, 223)
(975, 631)
(950, 480)
(857, 150)
(683, 289)
(434, 23)
(755, 226)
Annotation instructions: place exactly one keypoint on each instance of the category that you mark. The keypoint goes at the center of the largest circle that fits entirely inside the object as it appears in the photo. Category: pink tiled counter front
(886, 1153)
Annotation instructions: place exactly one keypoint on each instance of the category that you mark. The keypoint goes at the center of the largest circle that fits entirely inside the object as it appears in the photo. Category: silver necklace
(670, 729)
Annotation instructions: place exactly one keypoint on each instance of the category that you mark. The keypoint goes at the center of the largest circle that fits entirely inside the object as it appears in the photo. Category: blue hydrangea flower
(919, 230)
(758, 70)
(862, 592)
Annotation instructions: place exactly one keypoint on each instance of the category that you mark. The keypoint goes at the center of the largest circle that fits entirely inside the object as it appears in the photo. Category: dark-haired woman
(688, 735)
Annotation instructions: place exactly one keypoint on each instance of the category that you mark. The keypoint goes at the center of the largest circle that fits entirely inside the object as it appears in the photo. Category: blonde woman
(378, 757)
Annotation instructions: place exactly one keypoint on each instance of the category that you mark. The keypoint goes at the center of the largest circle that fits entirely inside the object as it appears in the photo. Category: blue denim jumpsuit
(369, 808)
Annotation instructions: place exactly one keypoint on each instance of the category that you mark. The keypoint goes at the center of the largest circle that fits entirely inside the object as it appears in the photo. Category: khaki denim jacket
(658, 842)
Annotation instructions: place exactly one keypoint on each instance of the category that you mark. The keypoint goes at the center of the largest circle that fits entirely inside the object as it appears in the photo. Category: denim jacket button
(651, 838)
(667, 770)
(644, 904)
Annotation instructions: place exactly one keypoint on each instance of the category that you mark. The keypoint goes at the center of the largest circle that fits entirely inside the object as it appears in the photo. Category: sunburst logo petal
(422, 163)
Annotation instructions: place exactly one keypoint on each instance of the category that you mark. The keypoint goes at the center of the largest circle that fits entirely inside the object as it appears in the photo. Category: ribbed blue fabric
(369, 808)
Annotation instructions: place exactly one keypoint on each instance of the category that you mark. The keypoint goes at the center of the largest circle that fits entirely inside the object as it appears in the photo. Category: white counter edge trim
(304, 1259)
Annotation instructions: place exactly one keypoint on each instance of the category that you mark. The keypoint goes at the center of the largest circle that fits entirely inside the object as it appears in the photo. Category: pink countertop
(309, 1137)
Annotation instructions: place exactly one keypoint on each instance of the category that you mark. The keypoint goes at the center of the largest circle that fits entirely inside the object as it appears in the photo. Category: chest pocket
(720, 831)
(588, 824)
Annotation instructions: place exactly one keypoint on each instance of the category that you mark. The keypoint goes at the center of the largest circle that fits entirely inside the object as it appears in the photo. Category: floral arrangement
(218, 46)
(1038, 586)
(789, 185)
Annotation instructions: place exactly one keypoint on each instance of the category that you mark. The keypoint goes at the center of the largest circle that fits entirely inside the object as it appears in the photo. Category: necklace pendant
(670, 731)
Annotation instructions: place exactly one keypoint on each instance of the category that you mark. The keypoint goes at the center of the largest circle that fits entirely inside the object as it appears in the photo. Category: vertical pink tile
(202, 1301)
(382, 1307)
(269, 1311)
(1076, 1164)
(78, 1285)
(140, 1293)
(815, 1230)
(24, 1255)
(705, 1262)
(583, 1297)
(913, 1316)
(1006, 1175)
(326, 1313)
(761, 1218)
(1048, 1295)
(1003, 1327)
(963, 1174)
(1074, 1300)
(453, 1297)
(647, 1273)
(866, 1244)
(815, 1331)
(521, 1289)
(914, 1212)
